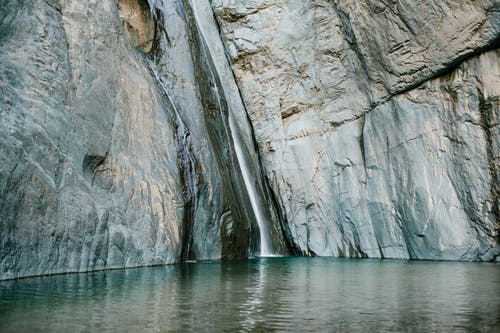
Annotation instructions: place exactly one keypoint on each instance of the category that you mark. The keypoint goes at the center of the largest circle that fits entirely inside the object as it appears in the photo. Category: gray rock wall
(88, 179)
(377, 121)
(107, 159)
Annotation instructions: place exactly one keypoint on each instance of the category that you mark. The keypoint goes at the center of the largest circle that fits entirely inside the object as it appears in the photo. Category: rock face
(115, 143)
(138, 25)
(377, 121)
(125, 137)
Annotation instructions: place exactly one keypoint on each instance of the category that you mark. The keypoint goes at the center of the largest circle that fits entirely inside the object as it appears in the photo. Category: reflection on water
(294, 294)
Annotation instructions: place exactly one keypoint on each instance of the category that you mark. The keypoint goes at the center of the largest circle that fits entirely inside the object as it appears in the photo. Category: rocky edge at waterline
(142, 132)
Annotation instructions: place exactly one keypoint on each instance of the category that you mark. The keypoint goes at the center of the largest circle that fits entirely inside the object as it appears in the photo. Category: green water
(272, 294)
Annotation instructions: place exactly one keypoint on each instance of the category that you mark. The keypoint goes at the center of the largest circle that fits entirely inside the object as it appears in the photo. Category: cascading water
(265, 244)
(265, 247)
(227, 130)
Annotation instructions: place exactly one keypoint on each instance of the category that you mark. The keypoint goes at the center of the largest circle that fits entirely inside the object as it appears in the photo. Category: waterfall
(265, 239)
(265, 244)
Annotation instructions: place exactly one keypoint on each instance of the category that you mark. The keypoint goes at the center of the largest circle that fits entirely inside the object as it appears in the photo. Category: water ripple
(263, 294)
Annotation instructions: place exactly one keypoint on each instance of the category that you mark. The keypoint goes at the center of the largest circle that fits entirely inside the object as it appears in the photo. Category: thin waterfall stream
(265, 244)
(265, 248)
(187, 168)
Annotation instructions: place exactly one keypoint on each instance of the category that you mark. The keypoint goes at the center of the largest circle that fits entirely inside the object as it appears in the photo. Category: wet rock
(376, 125)
(82, 184)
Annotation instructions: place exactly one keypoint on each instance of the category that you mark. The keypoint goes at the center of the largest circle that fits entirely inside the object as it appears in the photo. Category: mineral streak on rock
(138, 25)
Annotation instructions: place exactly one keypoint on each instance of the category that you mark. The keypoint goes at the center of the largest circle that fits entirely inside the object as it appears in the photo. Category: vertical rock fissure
(189, 181)
(238, 243)
(264, 239)
(151, 16)
(362, 140)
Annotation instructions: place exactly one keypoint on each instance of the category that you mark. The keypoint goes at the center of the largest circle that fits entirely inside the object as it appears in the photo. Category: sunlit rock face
(138, 25)
(377, 121)
(88, 178)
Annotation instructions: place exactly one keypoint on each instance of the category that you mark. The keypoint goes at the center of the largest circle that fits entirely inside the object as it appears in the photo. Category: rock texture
(377, 121)
(88, 176)
(125, 137)
(107, 157)
(138, 25)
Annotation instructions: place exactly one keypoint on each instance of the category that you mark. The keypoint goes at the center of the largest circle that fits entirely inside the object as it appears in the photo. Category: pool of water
(268, 294)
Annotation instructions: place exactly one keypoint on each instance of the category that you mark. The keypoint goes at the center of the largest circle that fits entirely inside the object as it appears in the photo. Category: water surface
(268, 294)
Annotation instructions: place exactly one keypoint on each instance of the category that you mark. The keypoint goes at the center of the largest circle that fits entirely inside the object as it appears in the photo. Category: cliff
(116, 145)
(142, 132)
(377, 121)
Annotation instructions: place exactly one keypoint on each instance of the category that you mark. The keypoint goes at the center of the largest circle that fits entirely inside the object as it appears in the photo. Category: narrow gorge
(151, 132)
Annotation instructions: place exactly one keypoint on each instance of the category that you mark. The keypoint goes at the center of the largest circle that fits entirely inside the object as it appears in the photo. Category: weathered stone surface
(88, 180)
(138, 25)
(404, 43)
(377, 123)
(107, 159)
(378, 134)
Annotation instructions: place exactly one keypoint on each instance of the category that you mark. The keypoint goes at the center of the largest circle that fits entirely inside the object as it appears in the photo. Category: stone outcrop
(138, 25)
(377, 121)
(88, 176)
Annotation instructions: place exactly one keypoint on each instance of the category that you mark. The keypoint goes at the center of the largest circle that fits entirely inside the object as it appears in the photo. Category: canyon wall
(377, 121)
(142, 132)
(115, 144)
